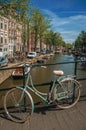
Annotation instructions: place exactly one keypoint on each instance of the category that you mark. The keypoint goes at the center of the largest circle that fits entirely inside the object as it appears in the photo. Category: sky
(68, 17)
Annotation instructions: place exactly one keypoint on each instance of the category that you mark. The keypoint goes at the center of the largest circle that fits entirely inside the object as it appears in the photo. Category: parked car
(3, 61)
(31, 54)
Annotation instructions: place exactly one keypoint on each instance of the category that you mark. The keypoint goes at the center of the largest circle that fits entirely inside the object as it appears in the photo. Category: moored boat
(18, 73)
(41, 60)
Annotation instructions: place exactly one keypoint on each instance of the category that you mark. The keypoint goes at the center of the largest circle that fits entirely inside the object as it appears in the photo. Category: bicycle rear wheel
(67, 94)
(18, 105)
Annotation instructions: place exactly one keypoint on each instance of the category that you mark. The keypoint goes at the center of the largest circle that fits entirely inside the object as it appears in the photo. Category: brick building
(10, 36)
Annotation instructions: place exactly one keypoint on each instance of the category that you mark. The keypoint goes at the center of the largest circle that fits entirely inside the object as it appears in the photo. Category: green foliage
(80, 42)
(15, 8)
(53, 39)
(38, 25)
(68, 46)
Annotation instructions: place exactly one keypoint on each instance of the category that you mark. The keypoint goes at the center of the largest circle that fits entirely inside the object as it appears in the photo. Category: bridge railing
(50, 64)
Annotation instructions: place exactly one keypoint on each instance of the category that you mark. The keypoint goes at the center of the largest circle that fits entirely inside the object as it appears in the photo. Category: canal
(42, 75)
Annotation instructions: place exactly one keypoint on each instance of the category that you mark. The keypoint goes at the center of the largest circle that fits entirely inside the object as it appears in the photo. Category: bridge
(50, 117)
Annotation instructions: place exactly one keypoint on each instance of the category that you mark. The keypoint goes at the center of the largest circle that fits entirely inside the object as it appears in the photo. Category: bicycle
(19, 104)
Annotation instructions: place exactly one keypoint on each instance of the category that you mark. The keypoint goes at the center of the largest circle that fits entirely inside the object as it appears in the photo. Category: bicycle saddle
(58, 72)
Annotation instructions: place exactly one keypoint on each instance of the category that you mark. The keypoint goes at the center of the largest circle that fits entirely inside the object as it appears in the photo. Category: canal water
(43, 75)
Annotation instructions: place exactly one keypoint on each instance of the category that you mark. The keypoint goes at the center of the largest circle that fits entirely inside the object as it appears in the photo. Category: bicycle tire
(71, 94)
(17, 109)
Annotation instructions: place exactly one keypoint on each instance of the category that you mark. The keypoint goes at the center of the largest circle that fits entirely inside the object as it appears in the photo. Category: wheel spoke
(15, 107)
(68, 93)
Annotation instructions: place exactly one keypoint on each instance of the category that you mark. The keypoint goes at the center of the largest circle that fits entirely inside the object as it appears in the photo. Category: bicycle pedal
(50, 102)
(38, 103)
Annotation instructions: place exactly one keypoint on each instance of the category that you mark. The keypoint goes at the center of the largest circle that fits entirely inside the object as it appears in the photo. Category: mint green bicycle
(19, 104)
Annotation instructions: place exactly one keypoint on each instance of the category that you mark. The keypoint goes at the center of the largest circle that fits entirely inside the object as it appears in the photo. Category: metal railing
(50, 64)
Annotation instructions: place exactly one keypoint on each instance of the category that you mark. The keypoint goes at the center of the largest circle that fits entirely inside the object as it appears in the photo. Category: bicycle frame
(43, 96)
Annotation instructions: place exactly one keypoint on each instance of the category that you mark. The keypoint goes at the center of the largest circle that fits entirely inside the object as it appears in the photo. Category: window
(0, 49)
(5, 26)
(1, 26)
(5, 41)
(1, 40)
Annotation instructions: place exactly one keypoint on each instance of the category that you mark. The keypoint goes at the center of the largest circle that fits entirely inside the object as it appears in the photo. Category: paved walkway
(51, 119)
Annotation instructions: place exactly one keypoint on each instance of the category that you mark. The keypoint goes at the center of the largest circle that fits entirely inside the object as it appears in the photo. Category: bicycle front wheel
(18, 105)
(67, 94)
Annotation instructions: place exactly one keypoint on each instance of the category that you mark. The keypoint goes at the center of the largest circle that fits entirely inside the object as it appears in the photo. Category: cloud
(49, 13)
(69, 27)
(68, 40)
(55, 19)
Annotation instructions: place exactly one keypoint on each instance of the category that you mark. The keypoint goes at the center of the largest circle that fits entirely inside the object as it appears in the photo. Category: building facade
(14, 36)
(10, 36)
(4, 35)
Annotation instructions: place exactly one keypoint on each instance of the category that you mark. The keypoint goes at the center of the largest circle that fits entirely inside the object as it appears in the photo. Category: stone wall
(4, 74)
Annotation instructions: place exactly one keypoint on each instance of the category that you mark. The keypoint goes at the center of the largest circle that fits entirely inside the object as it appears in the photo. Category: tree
(39, 25)
(80, 42)
(44, 25)
(53, 39)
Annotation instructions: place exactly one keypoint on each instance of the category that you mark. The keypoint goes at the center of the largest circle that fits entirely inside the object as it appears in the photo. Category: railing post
(75, 68)
(23, 75)
(24, 86)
